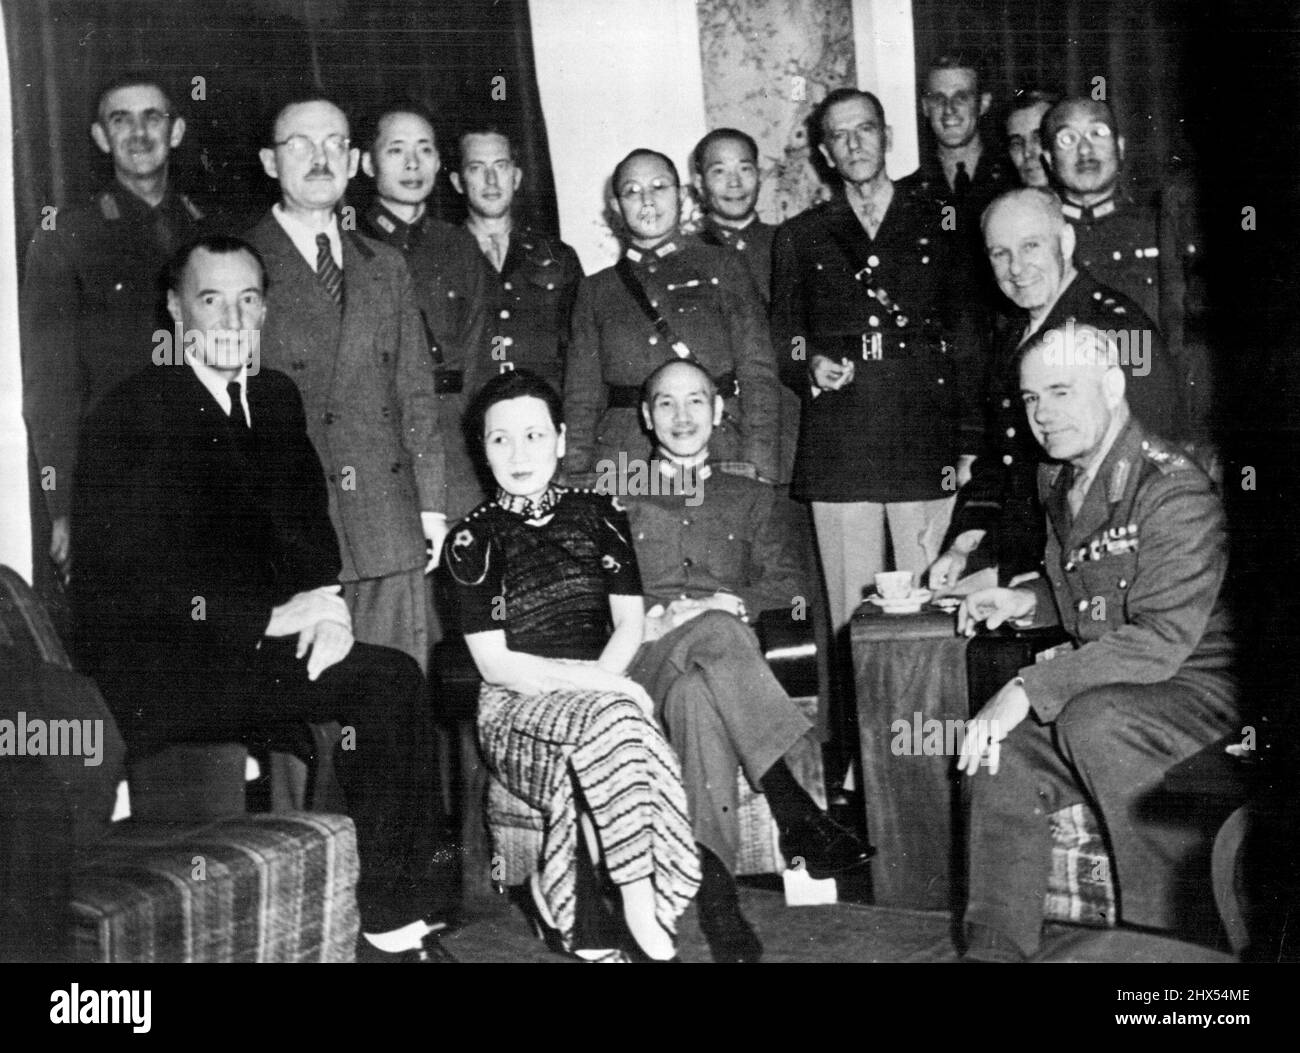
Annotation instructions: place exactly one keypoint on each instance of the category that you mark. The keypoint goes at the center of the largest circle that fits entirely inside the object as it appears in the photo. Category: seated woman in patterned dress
(550, 602)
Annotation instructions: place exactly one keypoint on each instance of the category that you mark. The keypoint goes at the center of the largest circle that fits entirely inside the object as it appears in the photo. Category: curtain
(230, 63)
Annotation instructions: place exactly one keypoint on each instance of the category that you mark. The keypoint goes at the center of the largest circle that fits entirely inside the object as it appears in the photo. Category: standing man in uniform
(91, 300)
(669, 296)
(998, 520)
(1136, 555)
(532, 277)
(961, 176)
(342, 323)
(859, 322)
(401, 156)
(727, 180)
(1024, 140)
(1120, 240)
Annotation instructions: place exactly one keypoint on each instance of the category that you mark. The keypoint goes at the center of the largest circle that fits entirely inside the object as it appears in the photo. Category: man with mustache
(90, 302)
(342, 323)
(1136, 557)
(669, 296)
(1147, 249)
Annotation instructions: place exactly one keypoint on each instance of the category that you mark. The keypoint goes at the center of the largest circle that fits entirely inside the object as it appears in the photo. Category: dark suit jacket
(186, 538)
(367, 385)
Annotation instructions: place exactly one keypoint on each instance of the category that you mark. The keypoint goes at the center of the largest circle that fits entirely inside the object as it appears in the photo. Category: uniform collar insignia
(635, 255)
(664, 249)
(1118, 480)
(672, 469)
(528, 509)
(1087, 213)
(384, 223)
(1103, 208)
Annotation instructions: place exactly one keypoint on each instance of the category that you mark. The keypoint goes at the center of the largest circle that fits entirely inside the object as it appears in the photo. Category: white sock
(407, 938)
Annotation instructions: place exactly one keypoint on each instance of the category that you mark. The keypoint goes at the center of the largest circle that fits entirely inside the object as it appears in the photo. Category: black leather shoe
(826, 848)
(731, 938)
(985, 944)
(430, 950)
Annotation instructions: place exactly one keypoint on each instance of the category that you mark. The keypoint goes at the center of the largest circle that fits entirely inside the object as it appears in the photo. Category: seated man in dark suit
(1136, 556)
(206, 596)
(714, 549)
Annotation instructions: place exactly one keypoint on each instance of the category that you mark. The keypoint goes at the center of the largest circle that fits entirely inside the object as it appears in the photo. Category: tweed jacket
(367, 385)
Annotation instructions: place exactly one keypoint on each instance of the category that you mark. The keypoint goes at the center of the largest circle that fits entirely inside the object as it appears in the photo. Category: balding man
(1136, 556)
(998, 520)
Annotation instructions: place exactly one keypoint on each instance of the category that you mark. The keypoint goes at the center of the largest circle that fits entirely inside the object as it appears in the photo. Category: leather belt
(630, 398)
(448, 381)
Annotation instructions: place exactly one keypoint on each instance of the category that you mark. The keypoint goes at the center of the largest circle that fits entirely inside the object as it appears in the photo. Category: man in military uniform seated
(714, 550)
(532, 277)
(1120, 238)
(863, 313)
(998, 520)
(670, 296)
(91, 300)
(401, 156)
(1136, 556)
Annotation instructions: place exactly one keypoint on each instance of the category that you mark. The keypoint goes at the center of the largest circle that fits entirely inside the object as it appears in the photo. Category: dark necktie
(327, 271)
(236, 405)
(961, 184)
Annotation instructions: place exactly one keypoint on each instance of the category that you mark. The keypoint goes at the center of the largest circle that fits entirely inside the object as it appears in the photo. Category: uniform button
(652, 269)
(451, 294)
(505, 314)
(1069, 566)
(941, 380)
(117, 287)
(329, 418)
(507, 341)
(687, 563)
(925, 259)
(1007, 458)
(550, 286)
(654, 340)
(686, 522)
(873, 321)
(1006, 403)
(1123, 583)
(713, 281)
(1082, 605)
(1011, 433)
(508, 287)
(654, 303)
(1117, 255)
(1096, 296)
(873, 261)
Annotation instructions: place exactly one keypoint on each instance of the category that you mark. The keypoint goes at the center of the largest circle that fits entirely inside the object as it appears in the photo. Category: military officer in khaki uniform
(1136, 556)
(727, 180)
(532, 277)
(1119, 236)
(91, 302)
(998, 520)
(450, 280)
(670, 295)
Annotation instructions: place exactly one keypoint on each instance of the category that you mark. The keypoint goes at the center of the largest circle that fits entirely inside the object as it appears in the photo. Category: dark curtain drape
(230, 63)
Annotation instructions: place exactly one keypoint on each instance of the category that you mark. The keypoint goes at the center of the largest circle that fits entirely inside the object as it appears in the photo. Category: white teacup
(894, 584)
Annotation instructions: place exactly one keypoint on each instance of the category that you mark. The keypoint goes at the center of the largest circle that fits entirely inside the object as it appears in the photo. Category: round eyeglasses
(301, 147)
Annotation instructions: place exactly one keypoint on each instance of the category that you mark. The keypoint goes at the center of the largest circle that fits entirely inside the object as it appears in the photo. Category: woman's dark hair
(512, 384)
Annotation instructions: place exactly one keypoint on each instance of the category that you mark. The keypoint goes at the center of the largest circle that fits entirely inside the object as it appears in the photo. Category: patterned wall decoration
(766, 64)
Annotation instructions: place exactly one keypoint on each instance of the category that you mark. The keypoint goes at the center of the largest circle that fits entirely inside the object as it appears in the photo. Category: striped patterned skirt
(538, 746)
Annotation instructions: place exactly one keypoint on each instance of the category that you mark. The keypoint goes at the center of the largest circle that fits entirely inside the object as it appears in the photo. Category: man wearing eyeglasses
(1126, 240)
(90, 304)
(341, 321)
(670, 296)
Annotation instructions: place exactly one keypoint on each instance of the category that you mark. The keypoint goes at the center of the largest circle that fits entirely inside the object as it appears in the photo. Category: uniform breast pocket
(1107, 581)
(727, 554)
(695, 298)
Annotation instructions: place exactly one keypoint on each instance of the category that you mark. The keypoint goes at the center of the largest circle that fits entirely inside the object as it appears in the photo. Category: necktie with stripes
(328, 273)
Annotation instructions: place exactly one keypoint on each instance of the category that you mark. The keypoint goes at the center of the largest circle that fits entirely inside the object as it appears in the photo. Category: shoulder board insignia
(108, 206)
(190, 207)
(1168, 460)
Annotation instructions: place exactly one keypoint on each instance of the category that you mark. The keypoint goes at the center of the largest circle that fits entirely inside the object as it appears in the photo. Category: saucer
(909, 604)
